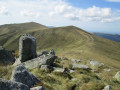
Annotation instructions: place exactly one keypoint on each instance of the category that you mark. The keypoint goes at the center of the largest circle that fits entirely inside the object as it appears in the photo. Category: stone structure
(20, 74)
(12, 85)
(27, 48)
(6, 57)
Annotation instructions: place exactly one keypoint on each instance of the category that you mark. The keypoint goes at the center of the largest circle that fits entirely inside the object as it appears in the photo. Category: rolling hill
(114, 37)
(68, 41)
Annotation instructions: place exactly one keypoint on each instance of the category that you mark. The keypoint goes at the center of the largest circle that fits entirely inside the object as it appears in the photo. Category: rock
(12, 85)
(96, 63)
(20, 74)
(6, 57)
(75, 65)
(27, 48)
(64, 58)
(42, 53)
(58, 69)
(42, 60)
(108, 87)
(37, 88)
(117, 76)
(108, 70)
(71, 71)
(46, 67)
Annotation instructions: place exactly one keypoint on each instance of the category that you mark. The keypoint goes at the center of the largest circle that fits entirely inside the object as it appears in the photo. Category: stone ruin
(27, 48)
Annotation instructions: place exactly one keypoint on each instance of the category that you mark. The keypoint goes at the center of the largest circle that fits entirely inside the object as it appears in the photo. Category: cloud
(3, 10)
(27, 13)
(113, 0)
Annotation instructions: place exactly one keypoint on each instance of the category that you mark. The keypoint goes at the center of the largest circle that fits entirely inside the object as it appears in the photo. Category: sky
(90, 15)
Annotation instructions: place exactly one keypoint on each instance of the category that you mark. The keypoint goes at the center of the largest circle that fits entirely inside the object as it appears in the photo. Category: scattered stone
(12, 85)
(108, 70)
(64, 58)
(37, 88)
(71, 71)
(96, 63)
(20, 74)
(27, 48)
(117, 76)
(58, 69)
(108, 87)
(6, 57)
(75, 65)
(46, 67)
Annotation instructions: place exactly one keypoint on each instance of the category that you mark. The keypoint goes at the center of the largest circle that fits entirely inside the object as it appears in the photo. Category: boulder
(94, 63)
(75, 65)
(117, 76)
(27, 48)
(108, 87)
(42, 60)
(20, 74)
(42, 53)
(76, 61)
(58, 69)
(6, 57)
(46, 67)
(12, 85)
(37, 88)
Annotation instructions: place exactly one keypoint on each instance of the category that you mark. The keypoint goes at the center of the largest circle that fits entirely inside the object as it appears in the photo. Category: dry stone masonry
(27, 48)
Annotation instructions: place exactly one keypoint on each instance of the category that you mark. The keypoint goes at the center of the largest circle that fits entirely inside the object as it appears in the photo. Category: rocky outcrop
(117, 76)
(12, 85)
(108, 87)
(20, 74)
(27, 48)
(6, 57)
(75, 65)
(94, 63)
(45, 59)
(37, 88)
(46, 67)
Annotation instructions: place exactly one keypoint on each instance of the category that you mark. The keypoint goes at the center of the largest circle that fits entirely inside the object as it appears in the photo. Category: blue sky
(90, 15)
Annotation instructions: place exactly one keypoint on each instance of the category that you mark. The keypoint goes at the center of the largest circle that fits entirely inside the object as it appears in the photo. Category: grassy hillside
(69, 41)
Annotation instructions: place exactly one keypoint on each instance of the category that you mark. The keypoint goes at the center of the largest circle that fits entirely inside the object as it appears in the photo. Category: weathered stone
(58, 69)
(108, 87)
(42, 53)
(117, 76)
(42, 60)
(71, 71)
(46, 67)
(27, 48)
(96, 63)
(108, 70)
(75, 65)
(12, 85)
(20, 74)
(6, 57)
(76, 61)
(37, 88)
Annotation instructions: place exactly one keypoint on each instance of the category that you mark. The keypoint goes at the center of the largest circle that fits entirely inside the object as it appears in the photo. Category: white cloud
(3, 10)
(113, 0)
(27, 13)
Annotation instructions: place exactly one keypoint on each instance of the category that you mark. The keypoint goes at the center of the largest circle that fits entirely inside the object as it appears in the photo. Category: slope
(70, 42)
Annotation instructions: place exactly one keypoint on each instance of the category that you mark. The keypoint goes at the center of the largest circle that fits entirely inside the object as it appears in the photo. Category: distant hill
(68, 41)
(114, 37)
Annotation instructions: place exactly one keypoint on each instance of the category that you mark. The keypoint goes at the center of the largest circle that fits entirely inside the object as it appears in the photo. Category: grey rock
(27, 48)
(117, 76)
(37, 88)
(71, 71)
(42, 60)
(108, 70)
(42, 53)
(46, 67)
(20, 74)
(12, 85)
(108, 87)
(6, 57)
(94, 63)
(64, 58)
(75, 65)
(58, 69)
